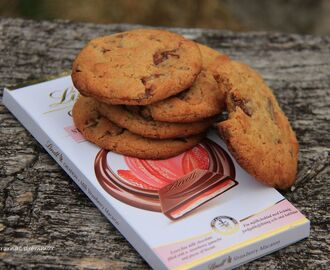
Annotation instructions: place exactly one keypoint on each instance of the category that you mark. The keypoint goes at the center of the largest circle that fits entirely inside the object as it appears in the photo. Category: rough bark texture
(39, 203)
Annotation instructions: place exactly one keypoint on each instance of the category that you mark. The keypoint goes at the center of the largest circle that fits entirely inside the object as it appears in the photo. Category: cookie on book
(208, 55)
(257, 132)
(205, 98)
(107, 135)
(130, 118)
(136, 67)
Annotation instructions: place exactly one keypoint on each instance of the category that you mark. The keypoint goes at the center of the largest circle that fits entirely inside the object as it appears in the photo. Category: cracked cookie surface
(131, 118)
(205, 98)
(104, 133)
(136, 67)
(257, 132)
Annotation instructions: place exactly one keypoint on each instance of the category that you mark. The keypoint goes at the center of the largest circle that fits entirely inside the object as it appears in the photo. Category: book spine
(81, 180)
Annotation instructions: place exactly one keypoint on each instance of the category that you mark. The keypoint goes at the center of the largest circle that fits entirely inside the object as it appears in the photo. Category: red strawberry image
(133, 180)
(196, 158)
(155, 174)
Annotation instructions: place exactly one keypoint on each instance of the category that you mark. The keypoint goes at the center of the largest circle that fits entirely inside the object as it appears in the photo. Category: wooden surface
(41, 207)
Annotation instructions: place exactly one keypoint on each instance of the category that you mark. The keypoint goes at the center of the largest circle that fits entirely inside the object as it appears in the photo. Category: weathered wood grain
(40, 205)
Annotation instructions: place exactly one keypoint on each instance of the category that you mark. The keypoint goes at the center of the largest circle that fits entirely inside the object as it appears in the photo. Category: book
(198, 210)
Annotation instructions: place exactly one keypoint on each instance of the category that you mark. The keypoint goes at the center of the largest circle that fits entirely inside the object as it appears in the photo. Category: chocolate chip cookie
(205, 98)
(132, 119)
(257, 132)
(136, 67)
(107, 135)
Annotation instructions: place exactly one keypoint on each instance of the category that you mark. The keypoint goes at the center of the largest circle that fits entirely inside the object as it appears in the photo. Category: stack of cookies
(145, 93)
(152, 94)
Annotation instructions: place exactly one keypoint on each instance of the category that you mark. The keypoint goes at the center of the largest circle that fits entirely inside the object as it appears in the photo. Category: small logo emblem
(225, 225)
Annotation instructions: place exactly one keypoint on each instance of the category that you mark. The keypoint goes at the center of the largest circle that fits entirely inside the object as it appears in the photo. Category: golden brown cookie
(257, 132)
(136, 67)
(107, 135)
(130, 117)
(208, 55)
(205, 98)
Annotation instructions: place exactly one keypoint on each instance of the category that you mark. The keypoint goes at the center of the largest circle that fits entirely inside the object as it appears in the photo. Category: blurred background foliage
(295, 16)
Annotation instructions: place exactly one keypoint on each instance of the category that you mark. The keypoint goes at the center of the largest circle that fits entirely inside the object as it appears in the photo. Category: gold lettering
(63, 99)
